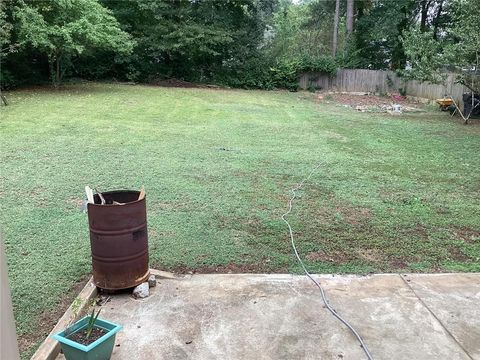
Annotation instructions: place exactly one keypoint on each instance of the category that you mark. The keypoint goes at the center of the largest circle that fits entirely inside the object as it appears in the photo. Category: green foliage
(378, 30)
(425, 55)
(458, 49)
(466, 31)
(6, 27)
(465, 48)
(194, 41)
(253, 73)
(240, 43)
(324, 65)
(204, 41)
(301, 30)
(91, 322)
(8, 79)
(285, 73)
(65, 28)
(280, 74)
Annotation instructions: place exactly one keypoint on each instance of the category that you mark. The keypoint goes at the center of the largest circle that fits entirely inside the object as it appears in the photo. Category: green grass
(392, 194)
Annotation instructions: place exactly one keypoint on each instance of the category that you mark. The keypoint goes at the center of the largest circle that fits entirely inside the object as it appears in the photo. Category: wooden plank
(50, 348)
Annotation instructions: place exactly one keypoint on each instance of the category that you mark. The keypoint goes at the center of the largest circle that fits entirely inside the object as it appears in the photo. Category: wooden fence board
(382, 82)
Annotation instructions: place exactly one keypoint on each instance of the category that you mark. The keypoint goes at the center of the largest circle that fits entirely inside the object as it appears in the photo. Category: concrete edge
(173, 276)
(50, 348)
(164, 274)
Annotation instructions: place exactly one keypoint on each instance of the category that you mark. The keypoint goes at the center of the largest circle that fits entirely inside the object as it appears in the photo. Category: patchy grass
(393, 193)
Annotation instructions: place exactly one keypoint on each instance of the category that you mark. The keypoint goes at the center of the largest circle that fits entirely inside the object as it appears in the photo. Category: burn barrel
(119, 240)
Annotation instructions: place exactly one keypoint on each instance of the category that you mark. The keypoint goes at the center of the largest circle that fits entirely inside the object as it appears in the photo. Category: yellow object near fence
(444, 103)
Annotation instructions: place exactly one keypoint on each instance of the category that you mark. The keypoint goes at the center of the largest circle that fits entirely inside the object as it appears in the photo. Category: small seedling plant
(88, 329)
(91, 322)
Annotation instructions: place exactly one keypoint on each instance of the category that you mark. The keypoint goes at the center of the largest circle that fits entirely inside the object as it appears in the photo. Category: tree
(350, 7)
(294, 33)
(302, 35)
(425, 55)
(191, 40)
(379, 30)
(458, 48)
(335, 28)
(465, 48)
(425, 6)
(8, 42)
(432, 14)
(65, 28)
(5, 30)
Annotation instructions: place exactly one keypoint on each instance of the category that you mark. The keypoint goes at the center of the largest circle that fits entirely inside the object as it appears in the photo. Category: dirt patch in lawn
(466, 234)
(371, 255)
(171, 206)
(337, 257)
(341, 212)
(254, 226)
(420, 230)
(226, 269)
(398, 263)
(369, 102)
(456, 254)
(48, 319)
(354, 215)
(367, 99)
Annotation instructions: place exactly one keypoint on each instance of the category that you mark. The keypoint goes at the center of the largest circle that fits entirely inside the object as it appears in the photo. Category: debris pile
(394, 104)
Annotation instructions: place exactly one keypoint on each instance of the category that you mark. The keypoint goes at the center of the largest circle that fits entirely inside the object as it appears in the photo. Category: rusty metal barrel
(119, 240)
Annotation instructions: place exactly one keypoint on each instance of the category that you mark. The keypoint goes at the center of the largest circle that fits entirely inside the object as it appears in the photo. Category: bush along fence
(383, 82)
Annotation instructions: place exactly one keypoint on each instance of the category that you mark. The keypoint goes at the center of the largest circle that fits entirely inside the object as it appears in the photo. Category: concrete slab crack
(436, 318)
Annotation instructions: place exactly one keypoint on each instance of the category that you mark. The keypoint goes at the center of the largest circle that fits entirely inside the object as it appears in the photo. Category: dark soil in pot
(81, 336)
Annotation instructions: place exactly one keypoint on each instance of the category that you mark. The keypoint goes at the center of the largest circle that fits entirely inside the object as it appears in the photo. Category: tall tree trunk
(350, 6)
(54, 62)
(436, 21)
(335, 28)
(57, 72)
(423, 15)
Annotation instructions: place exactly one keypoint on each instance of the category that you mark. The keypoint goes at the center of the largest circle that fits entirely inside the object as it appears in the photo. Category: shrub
(8, 80)
(286, 72)
(263, 72)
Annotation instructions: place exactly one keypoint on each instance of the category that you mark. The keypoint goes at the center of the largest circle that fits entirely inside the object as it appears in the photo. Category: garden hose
(322, 292)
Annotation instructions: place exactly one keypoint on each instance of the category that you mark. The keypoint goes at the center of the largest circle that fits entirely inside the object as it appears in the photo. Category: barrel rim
(114, 192)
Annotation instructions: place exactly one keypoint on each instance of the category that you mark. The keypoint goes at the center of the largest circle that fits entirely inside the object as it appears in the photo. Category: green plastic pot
(100, 349)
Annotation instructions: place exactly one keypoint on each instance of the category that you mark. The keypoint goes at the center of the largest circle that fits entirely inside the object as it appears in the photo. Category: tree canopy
(244, 43)
(453, 47)
(65, 28)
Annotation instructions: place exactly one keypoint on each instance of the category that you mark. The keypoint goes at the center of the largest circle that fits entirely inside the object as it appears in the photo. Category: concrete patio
(251, 316)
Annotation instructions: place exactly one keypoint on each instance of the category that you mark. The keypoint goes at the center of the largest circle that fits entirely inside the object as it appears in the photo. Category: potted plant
(89, 338)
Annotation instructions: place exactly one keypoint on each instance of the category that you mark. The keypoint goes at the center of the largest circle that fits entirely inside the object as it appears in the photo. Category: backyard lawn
(392, 193)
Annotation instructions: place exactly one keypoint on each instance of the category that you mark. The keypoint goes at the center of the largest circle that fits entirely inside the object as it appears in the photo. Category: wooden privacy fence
(383, 81)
